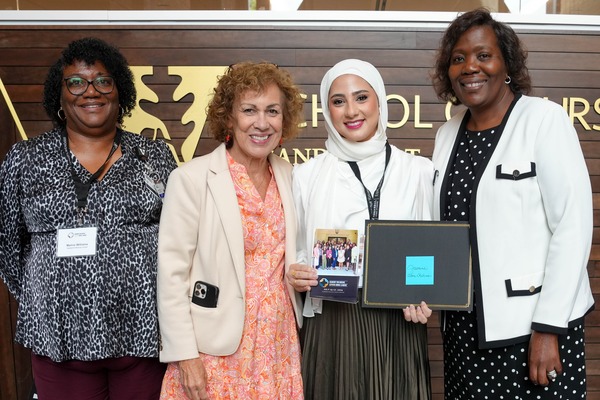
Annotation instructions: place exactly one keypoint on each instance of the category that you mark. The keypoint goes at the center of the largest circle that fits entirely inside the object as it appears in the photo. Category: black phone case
(205, 295)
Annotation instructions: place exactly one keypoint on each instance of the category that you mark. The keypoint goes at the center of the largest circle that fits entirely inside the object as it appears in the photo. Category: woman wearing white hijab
(350, 352)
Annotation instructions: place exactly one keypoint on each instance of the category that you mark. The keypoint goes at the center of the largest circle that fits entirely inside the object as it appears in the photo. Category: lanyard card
(73, 242)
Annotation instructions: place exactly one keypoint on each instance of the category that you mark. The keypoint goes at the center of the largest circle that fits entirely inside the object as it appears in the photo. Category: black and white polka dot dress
(499, 373)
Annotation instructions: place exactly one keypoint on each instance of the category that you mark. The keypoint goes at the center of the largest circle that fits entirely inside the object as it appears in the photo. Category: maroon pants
(123, 378)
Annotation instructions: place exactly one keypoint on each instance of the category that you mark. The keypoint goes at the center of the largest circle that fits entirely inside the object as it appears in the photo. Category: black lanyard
(83, 188)
(373, 199)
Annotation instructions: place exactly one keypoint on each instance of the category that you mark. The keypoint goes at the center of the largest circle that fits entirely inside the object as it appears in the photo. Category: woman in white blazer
(229, 322)
(511, 165)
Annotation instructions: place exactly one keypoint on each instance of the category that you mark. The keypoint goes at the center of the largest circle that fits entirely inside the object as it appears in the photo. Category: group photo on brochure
(237, 275)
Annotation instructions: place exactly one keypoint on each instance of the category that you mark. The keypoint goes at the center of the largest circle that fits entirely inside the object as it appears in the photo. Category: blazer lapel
(222, 190)
(284, 185)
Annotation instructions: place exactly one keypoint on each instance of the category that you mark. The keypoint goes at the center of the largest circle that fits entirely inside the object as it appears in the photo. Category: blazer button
(532, 289)
(516, 173)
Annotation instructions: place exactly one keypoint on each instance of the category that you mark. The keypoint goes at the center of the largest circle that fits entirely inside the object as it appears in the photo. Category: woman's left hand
(543, 357)
(418, 314)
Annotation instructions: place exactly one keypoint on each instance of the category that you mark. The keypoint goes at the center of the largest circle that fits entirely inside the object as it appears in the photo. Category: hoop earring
(121, 111)
(63, 117)
(508, 80)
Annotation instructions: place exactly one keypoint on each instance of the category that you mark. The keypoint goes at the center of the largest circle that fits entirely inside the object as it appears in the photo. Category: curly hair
(252, 76)
(90, 50)
(513, 52)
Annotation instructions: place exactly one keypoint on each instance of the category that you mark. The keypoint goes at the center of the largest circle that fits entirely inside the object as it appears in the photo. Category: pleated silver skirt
(350, 352)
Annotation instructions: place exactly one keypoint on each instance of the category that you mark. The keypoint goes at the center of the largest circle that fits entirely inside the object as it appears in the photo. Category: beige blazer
(200, 238)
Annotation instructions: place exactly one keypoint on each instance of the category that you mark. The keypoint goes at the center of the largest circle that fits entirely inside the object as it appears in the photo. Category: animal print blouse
(83, 307)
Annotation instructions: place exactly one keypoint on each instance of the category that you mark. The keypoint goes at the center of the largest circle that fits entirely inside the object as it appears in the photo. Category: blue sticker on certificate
(419, 270)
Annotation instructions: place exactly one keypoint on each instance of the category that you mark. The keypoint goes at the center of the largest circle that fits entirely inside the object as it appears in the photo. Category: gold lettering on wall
(597, 109)
(303, 124)
(418, 123)
(199, 81)
(299, 155)
(315, 111)
(406, 113)
(578, 115)
(413, 151)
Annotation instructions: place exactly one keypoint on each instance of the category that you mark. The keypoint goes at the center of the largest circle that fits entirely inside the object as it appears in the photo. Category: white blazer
(531, 224)
(201, 238)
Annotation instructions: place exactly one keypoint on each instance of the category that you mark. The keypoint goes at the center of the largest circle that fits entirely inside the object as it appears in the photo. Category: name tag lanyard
(82, 189)
(373, 200)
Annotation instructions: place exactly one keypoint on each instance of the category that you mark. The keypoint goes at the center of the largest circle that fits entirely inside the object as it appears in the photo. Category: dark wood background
(563, 64)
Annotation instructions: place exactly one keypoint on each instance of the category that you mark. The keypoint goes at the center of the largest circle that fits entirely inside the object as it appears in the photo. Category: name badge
(154, 182)
(73, 242)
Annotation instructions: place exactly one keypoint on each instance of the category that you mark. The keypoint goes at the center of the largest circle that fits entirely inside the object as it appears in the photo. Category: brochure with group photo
(337, 255)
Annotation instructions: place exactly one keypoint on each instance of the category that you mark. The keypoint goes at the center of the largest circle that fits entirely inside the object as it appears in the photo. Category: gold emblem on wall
(197, 81)
(12, 110)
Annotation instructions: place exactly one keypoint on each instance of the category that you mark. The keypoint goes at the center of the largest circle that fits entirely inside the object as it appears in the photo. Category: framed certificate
(410, 261)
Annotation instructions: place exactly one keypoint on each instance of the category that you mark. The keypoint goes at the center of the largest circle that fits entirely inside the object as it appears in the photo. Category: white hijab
(335, 143)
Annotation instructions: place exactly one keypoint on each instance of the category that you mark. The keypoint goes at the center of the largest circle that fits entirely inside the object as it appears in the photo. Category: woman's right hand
(302, 277)
(193, 378)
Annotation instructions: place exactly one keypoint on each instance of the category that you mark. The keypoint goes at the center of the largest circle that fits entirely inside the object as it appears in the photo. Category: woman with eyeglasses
(79, 213)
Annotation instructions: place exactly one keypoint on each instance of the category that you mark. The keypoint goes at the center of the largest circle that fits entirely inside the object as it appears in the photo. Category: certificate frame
(410, 261)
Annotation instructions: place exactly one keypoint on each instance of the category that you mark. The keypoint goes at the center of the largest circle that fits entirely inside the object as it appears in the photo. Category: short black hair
(90, 50)
(513, 52)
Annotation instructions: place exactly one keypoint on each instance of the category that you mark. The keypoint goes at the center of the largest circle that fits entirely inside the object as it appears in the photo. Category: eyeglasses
(78, 86)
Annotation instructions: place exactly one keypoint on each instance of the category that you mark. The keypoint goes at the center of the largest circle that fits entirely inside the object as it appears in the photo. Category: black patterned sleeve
(14, 238)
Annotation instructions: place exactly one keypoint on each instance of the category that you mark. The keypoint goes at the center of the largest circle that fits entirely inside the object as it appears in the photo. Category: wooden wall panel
(564, 67)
